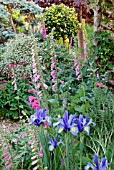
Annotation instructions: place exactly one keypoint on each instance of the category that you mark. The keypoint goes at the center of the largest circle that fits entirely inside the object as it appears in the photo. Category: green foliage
(13, 102)
(18, 50)
(104, 48)
(8, 9)
(62, 19)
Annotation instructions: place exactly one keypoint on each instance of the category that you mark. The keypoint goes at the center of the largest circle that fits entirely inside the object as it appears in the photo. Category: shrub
(17, 52)
(13, 102)
(63, 19)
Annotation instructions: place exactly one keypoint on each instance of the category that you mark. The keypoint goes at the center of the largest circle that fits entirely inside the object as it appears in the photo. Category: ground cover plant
(60, 106)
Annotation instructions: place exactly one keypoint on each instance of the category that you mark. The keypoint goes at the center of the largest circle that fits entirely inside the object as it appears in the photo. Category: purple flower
(40, 117)
(70, 42)
(102, 165)
(67, 124)
(43, 31)
(53, 143)
(83, 123)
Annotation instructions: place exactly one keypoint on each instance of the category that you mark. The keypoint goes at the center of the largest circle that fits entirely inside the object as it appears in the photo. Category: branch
(12, 23)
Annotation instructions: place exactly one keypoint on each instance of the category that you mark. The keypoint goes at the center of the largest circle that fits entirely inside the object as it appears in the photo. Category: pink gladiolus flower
(77, 71)
(37, 78)
(62, 82)
(53, 74)
(39, 94)
(34, 65)
(52, 60)
(78, 77)
(54, 88)
(31, 98)
(4, 155)
(40, 153)
(2, 87)
(75, 61)
(15, 86)
(35, 101)
(52, 66)
(43, 31)
(29, 143)
(70, 42)
(9, 158)
(7, 162)
(39, 85)
(30, 91)
(9, 166)
(100, 84)
(54, 80)
(35, 105)
(22, 63)
(59, 69)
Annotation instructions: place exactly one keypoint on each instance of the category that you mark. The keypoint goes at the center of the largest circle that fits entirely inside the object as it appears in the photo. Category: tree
(8, 10)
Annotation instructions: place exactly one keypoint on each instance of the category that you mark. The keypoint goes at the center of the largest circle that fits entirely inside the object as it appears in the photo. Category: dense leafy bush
(13, 102)
(62, 19)
(104, 49)
(17, 55)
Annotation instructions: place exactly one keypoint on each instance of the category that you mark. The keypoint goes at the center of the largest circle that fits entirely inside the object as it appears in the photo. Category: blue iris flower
(67, 124)
(40, 117)
(102, 165)
(53, 143)
(83, 123)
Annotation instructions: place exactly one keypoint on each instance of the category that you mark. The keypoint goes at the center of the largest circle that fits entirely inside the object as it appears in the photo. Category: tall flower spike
(43, 31)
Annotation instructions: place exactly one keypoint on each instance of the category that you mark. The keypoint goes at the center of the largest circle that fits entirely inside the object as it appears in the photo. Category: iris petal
(96, 160)
(74, 130)
(87, 129)
(51, 148)
(91, 166)
(60, 129)
(87, 167)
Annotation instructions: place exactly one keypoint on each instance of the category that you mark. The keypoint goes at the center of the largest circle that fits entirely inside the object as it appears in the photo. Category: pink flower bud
(54, 88)
(52, 66)
(62, 82)
(9, 166)
(30, 91)
(7, 162)
(39, 85)
(31, 98)
(40, 153)
(59, 69)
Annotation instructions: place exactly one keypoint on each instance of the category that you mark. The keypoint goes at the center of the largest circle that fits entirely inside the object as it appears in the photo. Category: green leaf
(17, 97)
(13, 108)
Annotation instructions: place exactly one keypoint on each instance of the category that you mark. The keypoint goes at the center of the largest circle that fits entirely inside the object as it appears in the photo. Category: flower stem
(81, 150)
(67, 151)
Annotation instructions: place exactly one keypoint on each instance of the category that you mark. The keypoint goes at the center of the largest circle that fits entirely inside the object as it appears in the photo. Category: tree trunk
(12, 23)
(96, 22)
